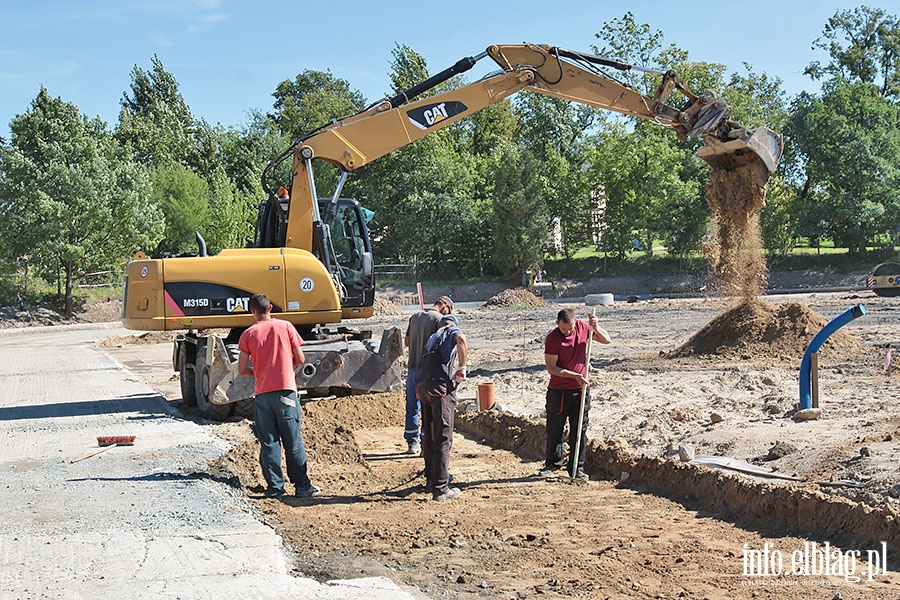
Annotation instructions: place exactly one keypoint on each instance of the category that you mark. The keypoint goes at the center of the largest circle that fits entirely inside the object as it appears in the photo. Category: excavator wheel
(186, 374)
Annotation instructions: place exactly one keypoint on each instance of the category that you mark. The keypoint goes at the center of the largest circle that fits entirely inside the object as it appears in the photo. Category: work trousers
(438, 413)
(411, 428)
(562, 406)
(277, 420)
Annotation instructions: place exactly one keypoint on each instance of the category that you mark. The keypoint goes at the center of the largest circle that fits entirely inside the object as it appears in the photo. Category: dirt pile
(515, 298)
(758, 329)
(328, 425)
(386, 308)
(150, 337)
(10, 317)
(328, 435)
(736, 196)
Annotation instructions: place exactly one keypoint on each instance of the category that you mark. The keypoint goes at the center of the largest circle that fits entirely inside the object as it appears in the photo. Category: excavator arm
(359, 139)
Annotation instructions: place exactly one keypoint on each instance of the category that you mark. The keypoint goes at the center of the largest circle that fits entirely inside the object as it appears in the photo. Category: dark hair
(260, 303)
(566, 315)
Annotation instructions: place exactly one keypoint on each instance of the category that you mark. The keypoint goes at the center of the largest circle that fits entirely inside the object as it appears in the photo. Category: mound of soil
(150, 337)
(386, 308)
(514, 298)
(328, 425)
(756, 329)
(328, 436)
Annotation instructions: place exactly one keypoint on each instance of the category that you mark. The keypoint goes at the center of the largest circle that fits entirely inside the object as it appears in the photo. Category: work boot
(307, 491)
(579, 474)
(415, 448)
(430, 488)
(450, 494)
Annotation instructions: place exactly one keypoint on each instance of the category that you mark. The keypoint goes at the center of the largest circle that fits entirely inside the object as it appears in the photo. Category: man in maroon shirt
(565, 354)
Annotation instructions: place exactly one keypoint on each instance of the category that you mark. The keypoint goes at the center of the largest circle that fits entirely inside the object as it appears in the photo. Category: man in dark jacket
(421, 326)
(437, 389)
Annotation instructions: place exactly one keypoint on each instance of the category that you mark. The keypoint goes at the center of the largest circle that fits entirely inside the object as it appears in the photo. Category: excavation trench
(651, 532)
(792, 508)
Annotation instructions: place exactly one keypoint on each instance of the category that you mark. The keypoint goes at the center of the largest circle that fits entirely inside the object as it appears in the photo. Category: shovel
(587, 372)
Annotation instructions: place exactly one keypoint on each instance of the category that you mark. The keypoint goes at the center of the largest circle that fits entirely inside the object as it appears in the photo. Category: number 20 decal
(307, 284)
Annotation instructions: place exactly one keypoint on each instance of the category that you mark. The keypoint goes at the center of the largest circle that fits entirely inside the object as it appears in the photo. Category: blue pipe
(854, 312)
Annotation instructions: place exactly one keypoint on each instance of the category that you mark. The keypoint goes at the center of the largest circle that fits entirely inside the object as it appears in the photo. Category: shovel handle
(95, 453)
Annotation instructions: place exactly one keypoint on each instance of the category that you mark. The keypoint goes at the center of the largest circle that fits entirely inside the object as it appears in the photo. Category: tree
(780, 220)
(652, 188)
(423, 194)
(311, 100)
(232, 214)
(850, 144)
(408, 68)
(74, 200)
(244, 152)
(864, 46)
(636, 44)
(155, 121)
(520, 224)
(183, 197)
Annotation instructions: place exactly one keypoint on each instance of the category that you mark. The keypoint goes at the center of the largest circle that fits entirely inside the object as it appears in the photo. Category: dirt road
(513, 536)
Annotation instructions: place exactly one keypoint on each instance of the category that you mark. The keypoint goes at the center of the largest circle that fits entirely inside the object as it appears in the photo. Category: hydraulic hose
(854, 312)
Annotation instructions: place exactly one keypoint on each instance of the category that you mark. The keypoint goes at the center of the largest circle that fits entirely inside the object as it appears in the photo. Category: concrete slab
(141, 521)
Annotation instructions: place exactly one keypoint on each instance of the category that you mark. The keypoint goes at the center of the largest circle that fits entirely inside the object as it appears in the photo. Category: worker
(421, 326)
(565, 355)
(437, 390)
(273, 346)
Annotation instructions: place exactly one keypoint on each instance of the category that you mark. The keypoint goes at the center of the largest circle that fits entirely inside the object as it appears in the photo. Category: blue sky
(228, 55)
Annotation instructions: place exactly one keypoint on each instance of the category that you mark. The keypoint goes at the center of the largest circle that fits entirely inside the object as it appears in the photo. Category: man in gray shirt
(421, 326)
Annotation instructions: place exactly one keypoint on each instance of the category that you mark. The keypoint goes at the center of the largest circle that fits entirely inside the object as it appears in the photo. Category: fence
(101, 279)
(395, 270)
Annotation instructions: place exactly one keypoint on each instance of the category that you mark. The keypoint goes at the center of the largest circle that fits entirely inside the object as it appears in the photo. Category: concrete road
(141, 521)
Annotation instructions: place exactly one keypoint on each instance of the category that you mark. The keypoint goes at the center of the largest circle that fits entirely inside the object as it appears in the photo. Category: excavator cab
(346, 249)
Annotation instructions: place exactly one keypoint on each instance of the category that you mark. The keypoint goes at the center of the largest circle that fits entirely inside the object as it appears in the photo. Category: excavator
(313, 256)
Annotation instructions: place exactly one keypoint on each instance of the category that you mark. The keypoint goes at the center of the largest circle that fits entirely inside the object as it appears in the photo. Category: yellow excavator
(313, 255)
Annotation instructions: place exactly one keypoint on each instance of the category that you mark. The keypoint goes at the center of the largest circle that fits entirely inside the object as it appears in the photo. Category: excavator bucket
(742, 162)
(740, 146)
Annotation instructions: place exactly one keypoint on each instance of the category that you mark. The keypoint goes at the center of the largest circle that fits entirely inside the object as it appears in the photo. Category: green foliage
(232, 214)
(310, 100)
(520, 223)
(779, 220)
(625, 39)
(155, 122)
(408, 68)
(864, 46)
(851, 144)
(183, 197)
(72, 199)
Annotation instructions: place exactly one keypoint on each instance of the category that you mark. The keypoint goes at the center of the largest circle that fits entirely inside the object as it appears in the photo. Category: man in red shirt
(565, 354)
(273, 346)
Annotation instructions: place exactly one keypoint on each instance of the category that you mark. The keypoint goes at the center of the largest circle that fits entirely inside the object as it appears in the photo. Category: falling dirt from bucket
(736, 194)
